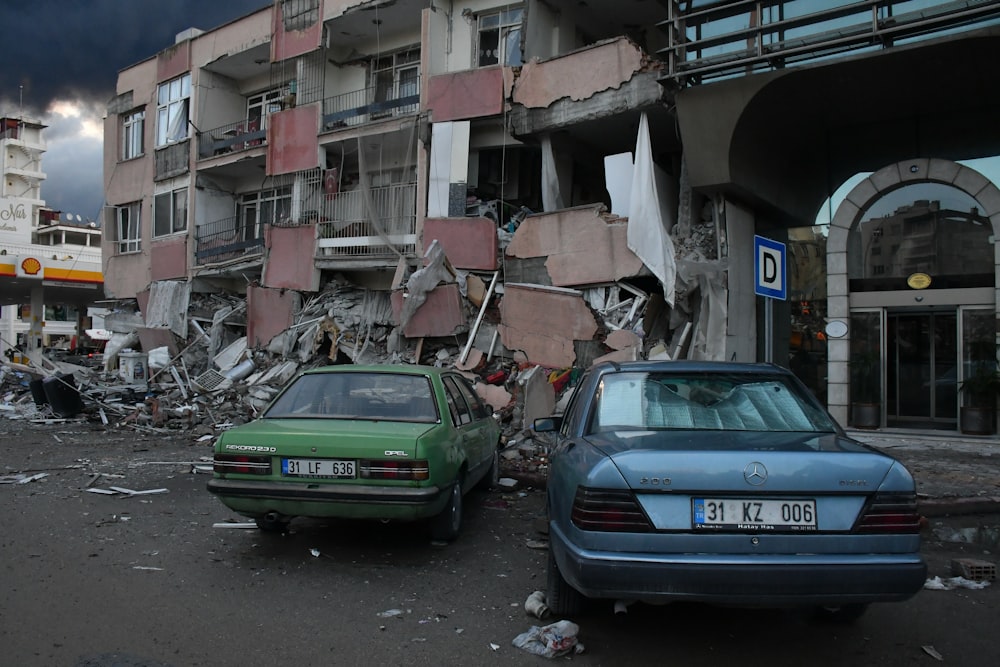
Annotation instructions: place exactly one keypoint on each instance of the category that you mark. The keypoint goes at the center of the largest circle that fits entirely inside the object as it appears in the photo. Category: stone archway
(849, 214)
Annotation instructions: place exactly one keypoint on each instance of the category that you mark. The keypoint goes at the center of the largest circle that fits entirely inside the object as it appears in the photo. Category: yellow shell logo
(31, 266)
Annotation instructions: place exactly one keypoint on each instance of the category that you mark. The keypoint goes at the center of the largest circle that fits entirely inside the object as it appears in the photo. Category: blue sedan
(723, 483)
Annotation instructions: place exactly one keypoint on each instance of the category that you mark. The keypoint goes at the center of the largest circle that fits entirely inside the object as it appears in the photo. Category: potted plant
(866, 395)
(980, 391)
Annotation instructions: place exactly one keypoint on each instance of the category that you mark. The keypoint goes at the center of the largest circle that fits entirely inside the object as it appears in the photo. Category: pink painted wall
(543, 322)
(468, 243)
(471, 93)
(269, 312)
(579, 75)
(292, 141)
(583, 245)
(168, 258)
(289, 263)
(288, 44)
(440, 315)
(170, 62)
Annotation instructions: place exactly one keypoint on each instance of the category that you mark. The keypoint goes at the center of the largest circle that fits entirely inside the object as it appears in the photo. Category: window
(257, 209)
(500, 38)
(127, 226)
(170, 212)
(133, 124)
(396, 76)
(172, 110)
(260, 106)
(460, 413)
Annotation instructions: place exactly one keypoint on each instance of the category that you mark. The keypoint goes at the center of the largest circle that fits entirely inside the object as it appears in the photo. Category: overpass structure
(779, 104)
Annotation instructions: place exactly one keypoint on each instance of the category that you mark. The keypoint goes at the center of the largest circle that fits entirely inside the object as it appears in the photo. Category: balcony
(363, 106)
(232, 138)
(382, 225)
(226, 240)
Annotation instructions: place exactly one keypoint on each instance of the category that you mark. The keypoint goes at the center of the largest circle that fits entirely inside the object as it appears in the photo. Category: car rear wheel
(847, 613)
(446, 525)
(563, 599)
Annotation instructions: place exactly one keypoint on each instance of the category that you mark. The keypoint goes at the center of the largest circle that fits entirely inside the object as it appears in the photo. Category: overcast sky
(61, 60)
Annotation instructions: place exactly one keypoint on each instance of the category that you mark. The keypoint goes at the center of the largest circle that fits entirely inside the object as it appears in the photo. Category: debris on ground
(550, 641)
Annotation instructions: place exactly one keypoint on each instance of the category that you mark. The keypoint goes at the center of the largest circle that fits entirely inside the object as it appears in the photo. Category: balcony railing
(381, 224)
(361, 106)
(723, 38)
(226, 240)
(231, 138)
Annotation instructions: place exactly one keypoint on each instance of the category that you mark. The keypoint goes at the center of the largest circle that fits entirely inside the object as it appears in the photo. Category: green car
(361, 442)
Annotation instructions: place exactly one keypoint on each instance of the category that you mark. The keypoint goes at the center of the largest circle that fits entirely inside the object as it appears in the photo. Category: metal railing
(725, 38)
(359, 107)
(228, 239)
(377, 222)
(232, 138)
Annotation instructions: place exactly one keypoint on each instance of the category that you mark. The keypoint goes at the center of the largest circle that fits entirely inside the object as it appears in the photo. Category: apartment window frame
(133, 134)
(395, 75)
(494, 42)
(170, 212)
(173, 110)
(256, 209)
(263, 104)
(128, 225)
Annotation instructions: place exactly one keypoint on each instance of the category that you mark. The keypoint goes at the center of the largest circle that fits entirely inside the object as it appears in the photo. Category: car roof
(689, 366)
(408, 369)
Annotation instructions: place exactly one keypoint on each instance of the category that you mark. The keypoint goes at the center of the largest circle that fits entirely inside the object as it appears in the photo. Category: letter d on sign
(769, 268)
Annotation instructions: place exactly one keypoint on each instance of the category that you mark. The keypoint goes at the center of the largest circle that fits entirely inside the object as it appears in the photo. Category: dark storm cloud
(73, 49)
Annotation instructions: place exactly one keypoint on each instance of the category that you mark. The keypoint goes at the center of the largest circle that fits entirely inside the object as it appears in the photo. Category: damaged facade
(499, 187)
(473, 185)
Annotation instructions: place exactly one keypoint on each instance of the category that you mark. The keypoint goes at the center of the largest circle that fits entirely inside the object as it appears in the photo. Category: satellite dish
(68, 217)
(78, 218)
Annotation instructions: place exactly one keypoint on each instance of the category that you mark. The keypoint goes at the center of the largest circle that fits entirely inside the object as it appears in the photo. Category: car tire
(492, 477)
(446, 525)
(563, 599)
(845, 614)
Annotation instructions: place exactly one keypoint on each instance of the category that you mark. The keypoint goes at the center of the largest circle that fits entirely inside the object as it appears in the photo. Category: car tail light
(242, 464)
(394, 469)
(890, 513)
(609, 510)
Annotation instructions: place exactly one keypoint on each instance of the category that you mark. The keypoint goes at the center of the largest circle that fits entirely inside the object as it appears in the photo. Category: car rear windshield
(705, 401)
(348, 395)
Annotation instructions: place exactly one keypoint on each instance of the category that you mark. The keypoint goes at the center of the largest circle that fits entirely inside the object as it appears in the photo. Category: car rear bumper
(353, 501)
(758, 580)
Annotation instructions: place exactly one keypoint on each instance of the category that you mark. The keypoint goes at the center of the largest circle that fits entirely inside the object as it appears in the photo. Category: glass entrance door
(922, 370)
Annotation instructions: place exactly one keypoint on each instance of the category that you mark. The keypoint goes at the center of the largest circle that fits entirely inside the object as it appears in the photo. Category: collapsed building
(359, 182)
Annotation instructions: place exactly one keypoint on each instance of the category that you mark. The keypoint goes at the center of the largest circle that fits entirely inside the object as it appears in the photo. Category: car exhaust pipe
(272, 517)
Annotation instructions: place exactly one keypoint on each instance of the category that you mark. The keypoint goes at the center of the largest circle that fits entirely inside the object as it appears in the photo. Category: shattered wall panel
(269, 312)
(580, 74)
(469, 243)
(286, 247)
(150, 339)
(440, 314)
(168, 305)
(584, 246)
(474, 93)
(544, 321)
(168, 258)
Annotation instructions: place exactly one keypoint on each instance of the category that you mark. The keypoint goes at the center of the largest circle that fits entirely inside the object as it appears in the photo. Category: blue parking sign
(770, 278)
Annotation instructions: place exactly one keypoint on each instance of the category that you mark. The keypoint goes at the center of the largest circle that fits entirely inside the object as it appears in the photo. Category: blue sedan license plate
(753, 514)
(321, 468)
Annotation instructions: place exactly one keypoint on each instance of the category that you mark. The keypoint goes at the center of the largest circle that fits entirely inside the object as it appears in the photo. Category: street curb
(952, 506)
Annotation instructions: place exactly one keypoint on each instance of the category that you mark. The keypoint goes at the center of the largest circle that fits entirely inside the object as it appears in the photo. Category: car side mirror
(547, 424)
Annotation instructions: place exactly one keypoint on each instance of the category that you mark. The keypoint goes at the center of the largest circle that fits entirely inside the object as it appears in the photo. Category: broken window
(172, 110)
(499, 40)
(299, 14)
(170, 212)
(127, 227)
(133, 124)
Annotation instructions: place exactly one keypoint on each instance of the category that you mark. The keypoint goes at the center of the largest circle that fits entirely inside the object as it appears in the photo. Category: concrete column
(36, 324)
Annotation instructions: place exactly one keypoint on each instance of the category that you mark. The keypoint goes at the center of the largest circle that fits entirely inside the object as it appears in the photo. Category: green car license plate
(753, 514)
(320, 468)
